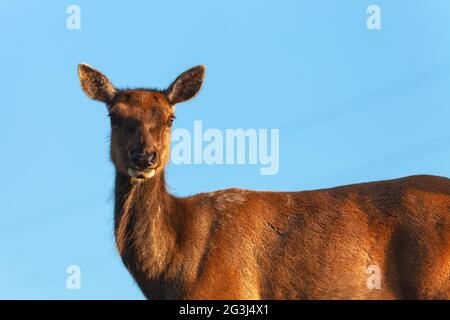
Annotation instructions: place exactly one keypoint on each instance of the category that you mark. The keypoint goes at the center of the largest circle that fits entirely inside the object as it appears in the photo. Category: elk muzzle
(143, 160)
(144, 164)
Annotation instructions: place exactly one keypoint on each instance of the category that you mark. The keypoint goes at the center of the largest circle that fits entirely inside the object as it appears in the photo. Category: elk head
(140, 119)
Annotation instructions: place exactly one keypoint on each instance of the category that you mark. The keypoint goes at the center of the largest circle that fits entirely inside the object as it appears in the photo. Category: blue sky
(351, 105)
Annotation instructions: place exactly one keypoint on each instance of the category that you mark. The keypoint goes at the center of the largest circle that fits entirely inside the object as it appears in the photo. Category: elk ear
(187, 85)
(95, 85)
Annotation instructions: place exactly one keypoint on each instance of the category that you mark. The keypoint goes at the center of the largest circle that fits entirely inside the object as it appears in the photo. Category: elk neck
(145, 237)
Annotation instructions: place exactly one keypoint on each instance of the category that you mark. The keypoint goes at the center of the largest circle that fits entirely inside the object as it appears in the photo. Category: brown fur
(241, 244)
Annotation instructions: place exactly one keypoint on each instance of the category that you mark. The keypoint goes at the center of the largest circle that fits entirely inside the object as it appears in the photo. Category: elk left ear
(95, 84)
(187, 85)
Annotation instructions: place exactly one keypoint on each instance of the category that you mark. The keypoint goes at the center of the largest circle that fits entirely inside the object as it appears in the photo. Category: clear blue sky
(351, 104)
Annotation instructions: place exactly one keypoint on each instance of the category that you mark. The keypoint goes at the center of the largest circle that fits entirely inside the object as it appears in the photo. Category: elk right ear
(187, 85)
(95, 84)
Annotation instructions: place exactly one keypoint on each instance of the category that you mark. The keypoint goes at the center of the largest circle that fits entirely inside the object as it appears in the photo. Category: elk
(243, 244)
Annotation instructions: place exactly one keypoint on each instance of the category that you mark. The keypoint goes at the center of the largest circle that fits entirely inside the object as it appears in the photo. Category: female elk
(241, 244)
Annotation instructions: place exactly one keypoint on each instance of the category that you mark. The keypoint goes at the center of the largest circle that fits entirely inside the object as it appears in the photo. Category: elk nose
(142, 159)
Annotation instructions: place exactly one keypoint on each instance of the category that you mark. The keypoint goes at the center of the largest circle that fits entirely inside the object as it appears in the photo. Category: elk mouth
(140, 175)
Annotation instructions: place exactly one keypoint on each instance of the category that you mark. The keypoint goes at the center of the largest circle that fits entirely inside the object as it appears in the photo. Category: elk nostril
(152, 157)
(135, 155)
(144, 160)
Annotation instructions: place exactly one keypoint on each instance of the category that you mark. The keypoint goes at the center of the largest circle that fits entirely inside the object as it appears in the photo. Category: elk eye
(170, 120)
